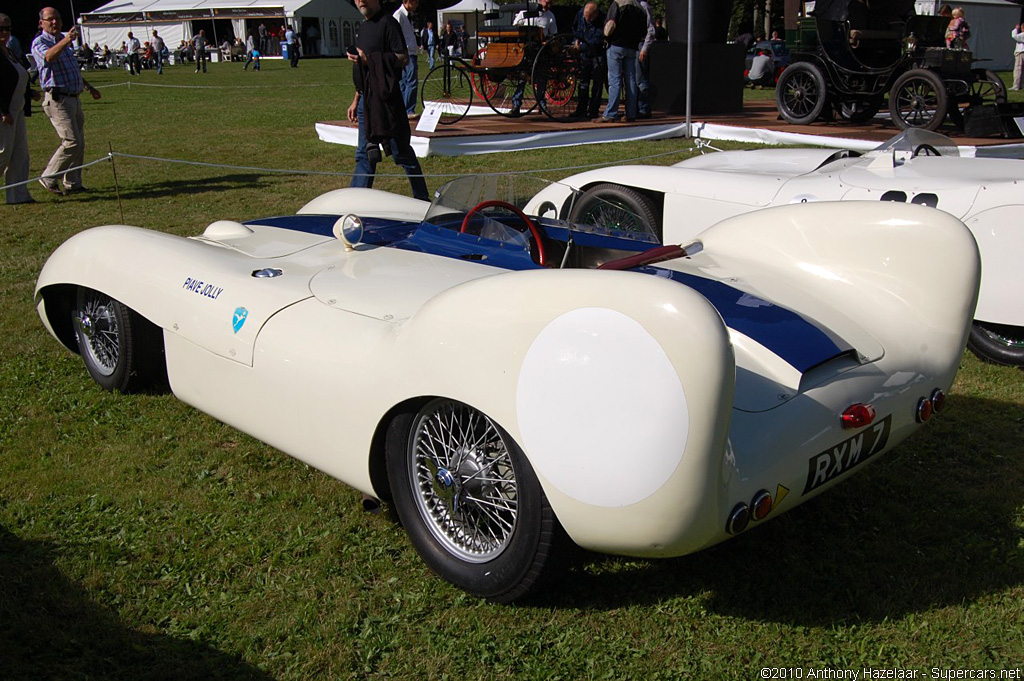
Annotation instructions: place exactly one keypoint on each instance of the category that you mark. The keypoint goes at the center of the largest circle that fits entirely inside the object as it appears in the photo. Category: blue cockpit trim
(798, 341)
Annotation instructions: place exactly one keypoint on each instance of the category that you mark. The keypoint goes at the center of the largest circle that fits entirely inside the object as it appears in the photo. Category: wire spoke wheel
(449, 88)
(466, 487)
(98, 331)
(616, 207)
(483, 85)
(120, 349)
(508, 92)
(555, 77)
(471, 502)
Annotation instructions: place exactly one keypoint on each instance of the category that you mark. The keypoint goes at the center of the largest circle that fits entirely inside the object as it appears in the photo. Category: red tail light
(761, 505)
(857, 415)
(938, 400)
(924, 409)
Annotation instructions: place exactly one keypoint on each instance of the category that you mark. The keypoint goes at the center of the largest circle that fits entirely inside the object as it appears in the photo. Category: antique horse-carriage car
(850, 54)
(515, 70)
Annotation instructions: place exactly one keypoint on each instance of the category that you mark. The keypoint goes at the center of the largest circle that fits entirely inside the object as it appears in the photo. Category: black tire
(801, 94)
(121, 350)
(918, 99)
(450, 88)
(444, 507)
(616, 207)
(997, 343)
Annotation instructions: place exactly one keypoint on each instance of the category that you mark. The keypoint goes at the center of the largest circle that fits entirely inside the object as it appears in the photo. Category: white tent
(335, 21)
(991, 22)
(471, 13)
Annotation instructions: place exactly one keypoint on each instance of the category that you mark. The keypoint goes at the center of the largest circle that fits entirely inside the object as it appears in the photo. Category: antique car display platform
(759, 122)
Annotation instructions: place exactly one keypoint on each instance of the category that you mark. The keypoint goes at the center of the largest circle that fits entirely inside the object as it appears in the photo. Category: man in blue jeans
(643, 67)
(625, 27)
(410, 74)
(380, 56)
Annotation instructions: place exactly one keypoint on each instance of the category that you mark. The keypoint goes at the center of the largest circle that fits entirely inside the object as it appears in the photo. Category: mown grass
(140, 539)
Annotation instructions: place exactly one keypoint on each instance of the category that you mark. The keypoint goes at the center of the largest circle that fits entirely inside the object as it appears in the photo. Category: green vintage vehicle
(852, 57)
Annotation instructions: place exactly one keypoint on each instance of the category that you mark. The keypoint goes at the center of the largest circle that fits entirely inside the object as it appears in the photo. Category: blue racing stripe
(801, 343)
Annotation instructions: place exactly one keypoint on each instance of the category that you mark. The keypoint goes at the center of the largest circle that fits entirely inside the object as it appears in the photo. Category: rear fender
(904, 276)
(617, 385)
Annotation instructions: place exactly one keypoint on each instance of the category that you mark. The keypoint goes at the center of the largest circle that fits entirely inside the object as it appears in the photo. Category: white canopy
(336, 20)
(471, 13)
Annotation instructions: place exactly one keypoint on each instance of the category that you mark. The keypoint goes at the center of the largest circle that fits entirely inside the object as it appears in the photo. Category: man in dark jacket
(377, 64)
(625, 27)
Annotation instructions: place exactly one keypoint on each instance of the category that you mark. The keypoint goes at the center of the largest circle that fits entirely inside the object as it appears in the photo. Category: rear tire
(120, 349)
(918, 99)
(997, 343)
(471, 503)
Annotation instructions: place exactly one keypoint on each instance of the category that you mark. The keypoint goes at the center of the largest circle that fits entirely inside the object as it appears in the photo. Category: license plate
(847, 454)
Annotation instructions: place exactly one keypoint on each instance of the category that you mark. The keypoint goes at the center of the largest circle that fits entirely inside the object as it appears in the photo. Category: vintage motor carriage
(851, 56)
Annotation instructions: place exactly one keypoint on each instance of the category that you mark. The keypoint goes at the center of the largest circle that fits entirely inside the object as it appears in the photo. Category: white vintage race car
(511, 382)
(916, 166)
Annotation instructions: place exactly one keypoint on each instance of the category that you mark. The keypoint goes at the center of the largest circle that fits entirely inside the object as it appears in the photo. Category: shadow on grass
(934, 523)
(171, 187)
(50, 629)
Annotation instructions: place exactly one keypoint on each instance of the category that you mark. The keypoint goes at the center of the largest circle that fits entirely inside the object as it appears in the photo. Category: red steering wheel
(497, 203)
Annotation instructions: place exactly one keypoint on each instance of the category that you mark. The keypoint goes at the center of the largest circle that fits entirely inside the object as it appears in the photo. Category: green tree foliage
(743, 15)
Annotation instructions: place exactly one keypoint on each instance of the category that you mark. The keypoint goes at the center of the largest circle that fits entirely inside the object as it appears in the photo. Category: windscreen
(918, 141)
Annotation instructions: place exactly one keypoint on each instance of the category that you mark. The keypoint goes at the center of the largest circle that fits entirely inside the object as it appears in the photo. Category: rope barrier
(134, 83)
(33, 179)
(699, 145)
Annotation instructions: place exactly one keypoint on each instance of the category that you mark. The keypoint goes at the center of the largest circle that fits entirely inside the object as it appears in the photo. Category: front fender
(189, 287)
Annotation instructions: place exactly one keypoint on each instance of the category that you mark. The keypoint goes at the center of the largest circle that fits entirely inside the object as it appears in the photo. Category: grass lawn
(140, 539)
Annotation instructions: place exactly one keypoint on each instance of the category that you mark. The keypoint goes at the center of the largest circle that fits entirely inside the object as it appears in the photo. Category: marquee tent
(334, 21)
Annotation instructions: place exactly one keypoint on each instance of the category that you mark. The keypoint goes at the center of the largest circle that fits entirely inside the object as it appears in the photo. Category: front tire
(616, 207)
(997, 343)
(120, 349)
(801, 93)
(470, 501)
